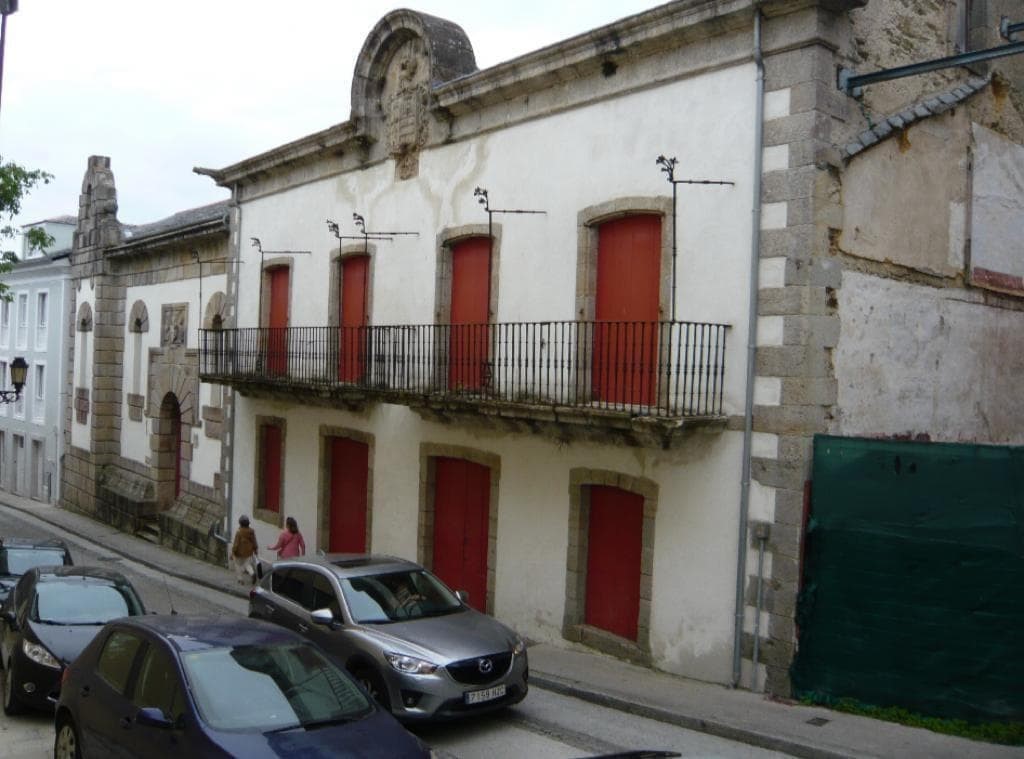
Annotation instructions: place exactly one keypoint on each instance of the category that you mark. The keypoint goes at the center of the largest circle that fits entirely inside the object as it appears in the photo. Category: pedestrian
(243, 552)
(290, 542)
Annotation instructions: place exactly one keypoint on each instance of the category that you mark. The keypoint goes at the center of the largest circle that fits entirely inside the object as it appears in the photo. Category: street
(545, 725)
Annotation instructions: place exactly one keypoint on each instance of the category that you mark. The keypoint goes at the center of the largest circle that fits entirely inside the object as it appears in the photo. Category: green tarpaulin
(913, 589)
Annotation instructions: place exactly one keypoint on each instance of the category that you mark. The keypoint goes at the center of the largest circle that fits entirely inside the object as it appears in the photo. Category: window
(39, 391)
(115, 663)
(157, 684)
(270, 468)
(5, 324)
(22, 320)
(41, 320)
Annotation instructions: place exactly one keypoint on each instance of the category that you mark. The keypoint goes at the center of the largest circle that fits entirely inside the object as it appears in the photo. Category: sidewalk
(574, 671)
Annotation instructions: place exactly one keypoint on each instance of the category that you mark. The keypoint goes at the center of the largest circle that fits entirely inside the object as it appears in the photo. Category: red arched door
(349, 461)
(462, 497)
(614, 548)
(352, 359)
(628, 283)
(277, 321)
(468, 352)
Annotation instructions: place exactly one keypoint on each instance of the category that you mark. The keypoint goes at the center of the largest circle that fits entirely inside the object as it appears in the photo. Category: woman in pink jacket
(290, 542)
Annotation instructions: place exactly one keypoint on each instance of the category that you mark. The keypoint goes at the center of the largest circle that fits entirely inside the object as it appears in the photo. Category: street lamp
(7, 7)
(19, 371)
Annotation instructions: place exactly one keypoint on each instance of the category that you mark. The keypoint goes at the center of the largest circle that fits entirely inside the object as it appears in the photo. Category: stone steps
(150, 531)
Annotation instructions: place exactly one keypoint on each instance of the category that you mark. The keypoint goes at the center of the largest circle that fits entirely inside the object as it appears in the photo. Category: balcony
(640, 383)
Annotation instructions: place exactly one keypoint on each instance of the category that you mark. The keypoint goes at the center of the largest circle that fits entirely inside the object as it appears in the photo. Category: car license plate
(479, 696)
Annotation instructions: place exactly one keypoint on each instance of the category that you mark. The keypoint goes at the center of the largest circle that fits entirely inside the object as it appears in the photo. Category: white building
(31, 437)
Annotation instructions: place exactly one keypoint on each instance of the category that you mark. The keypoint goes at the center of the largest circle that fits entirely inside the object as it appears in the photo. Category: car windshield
(78, 602)
(271, 688)
(17, 561)
(397, 597)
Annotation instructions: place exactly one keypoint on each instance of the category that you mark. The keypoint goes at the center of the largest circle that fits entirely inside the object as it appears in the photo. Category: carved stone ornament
(174, 325)
(404, 100)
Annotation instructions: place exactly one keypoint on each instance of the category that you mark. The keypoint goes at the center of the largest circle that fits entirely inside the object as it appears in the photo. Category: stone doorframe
(574, 627)
(323, 508)
(173, 372)
(443, 271)
(338, 257)
(165, 449)
(425, 522)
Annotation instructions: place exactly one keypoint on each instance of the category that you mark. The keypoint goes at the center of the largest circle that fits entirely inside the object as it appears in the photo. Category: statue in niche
(174, 325)
(405, 98)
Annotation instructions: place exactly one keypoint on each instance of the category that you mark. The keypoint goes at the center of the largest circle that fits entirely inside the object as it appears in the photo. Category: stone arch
(171, 450)
(216, 314)
(573, 628)
(181, 381)
(448, 51)
(138, 317)
(83, 322)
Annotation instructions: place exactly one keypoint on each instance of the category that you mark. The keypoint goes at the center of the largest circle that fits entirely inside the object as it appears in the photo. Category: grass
(1008, 733)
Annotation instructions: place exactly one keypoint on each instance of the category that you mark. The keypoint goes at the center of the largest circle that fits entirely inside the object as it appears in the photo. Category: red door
(270, 456)
(352, 360)
(614, 543)
(349, 472)
(462, 498)
(625, 337)
(277, 337)
(468, 353)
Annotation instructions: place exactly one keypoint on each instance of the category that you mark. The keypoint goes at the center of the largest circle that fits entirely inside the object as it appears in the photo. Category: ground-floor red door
(349, 462)
(462, 496)
(614, 543)
(352, 361)
(277, 322)
(626, 310)
(270, 456)
(468, 351)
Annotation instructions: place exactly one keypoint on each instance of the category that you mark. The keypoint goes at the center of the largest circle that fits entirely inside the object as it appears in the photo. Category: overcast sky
(161, 87)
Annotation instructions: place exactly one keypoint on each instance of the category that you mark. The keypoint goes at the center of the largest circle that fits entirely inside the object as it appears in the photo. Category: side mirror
(259, 569)
(322, 617)
(462, 595)
(151, 716)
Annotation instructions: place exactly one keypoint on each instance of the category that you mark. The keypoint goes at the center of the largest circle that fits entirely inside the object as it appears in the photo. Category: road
(544, 726)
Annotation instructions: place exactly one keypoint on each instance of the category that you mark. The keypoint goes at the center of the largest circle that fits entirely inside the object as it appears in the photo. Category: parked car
(18, 555)
(49, 617)
(415, 645)
(173, 686)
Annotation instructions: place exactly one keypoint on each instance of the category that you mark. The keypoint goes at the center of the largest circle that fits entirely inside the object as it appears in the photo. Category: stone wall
(191, 527)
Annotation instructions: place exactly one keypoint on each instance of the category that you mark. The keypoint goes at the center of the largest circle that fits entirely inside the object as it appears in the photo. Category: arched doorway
(169, 437)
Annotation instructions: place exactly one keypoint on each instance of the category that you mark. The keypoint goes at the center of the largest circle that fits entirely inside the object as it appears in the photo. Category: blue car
(173, 686)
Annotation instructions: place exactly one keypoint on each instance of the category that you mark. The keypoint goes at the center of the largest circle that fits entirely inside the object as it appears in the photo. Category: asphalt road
(544, 726)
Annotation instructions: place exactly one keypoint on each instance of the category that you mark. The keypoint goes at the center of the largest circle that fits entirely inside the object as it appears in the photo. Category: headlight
(410, 664)
(39, 655)
(519, 647)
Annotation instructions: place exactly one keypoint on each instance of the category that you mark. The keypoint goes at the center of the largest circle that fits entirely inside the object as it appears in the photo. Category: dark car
(49, 617)
(414, 644)
(18, 555)
(174, 686)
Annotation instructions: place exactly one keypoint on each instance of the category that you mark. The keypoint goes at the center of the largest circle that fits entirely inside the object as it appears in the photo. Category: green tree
(15, 183)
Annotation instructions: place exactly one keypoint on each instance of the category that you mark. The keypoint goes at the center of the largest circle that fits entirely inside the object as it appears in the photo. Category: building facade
(31, 327)
(143, 434)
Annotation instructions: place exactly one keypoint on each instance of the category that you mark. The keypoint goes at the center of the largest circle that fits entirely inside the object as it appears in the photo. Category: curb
(718, 729)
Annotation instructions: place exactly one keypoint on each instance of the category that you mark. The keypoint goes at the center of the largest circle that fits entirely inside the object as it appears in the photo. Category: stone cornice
(212, 227)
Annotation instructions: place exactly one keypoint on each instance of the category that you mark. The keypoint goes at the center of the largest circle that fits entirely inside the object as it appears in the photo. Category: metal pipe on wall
(748, 413)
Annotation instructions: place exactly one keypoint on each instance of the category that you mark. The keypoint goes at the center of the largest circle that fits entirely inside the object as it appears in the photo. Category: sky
(161, 87)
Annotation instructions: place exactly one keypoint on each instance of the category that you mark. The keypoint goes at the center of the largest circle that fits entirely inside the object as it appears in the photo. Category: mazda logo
(485, 666)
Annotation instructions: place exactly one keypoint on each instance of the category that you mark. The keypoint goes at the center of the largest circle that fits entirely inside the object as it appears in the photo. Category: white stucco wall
(560, 164)
(135, 441)
(696, 524)
(914, 360)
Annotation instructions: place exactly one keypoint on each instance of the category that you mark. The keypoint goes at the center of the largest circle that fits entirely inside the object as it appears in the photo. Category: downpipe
(748, 413)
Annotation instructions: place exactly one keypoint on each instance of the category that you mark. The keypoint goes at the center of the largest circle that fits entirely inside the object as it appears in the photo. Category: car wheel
(12, 704)
(374, 685)
(66, 745)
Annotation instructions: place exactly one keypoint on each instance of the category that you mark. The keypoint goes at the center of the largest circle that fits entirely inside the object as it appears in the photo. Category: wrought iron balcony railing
(661, 369)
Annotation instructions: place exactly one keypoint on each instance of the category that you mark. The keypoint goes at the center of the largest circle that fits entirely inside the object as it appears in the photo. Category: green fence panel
(913, 590)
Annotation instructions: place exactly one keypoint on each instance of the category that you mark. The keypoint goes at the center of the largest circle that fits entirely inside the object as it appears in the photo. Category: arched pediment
(138, 317)
(83, 322)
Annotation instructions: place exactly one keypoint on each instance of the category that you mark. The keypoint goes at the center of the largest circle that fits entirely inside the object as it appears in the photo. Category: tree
(15, 183)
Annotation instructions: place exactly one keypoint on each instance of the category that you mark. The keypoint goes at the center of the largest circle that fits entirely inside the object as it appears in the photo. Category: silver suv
(414, 644)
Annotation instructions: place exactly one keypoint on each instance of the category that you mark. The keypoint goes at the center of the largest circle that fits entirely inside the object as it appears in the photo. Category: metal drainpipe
(748, 414)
